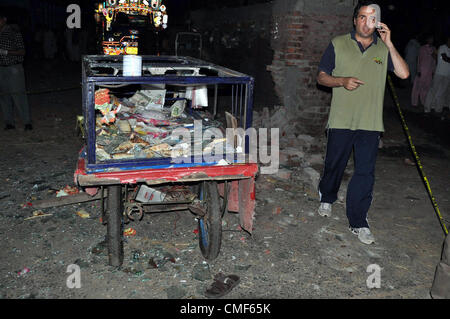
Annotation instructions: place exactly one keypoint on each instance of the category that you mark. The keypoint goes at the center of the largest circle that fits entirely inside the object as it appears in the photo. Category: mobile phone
(374, 20)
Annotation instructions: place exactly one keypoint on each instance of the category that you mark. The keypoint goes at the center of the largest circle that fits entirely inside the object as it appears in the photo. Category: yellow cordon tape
(419, 164)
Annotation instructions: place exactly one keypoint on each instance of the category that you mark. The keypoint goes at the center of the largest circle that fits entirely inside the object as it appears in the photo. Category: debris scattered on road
(37, 214)
(409, 162)
(83, 214)
(201, 272)
(129, 232)
(24, 271)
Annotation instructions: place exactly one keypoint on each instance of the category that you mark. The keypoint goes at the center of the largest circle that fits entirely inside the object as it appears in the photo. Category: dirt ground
(293, 252)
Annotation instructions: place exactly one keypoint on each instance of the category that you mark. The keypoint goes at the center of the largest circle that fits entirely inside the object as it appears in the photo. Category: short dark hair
(362, 3)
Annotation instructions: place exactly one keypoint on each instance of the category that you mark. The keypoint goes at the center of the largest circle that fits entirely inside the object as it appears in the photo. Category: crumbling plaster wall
(280, 43)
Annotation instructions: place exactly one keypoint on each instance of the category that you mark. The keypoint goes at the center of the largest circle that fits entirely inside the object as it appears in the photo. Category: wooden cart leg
(233, 197)
(114, 226)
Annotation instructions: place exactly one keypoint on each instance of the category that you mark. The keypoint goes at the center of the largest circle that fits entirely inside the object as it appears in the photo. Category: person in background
(438, 96)
(426, 64)
(355, 65)
(411, 55)
(38, 39)
(50, 47)
(12, 76)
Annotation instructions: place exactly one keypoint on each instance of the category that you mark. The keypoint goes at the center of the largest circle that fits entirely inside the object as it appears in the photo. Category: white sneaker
(364, 235)
(324, 209)
(380, 143)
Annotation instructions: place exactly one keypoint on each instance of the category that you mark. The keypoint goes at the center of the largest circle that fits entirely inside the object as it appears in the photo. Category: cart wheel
(210, 226)
(114, 226)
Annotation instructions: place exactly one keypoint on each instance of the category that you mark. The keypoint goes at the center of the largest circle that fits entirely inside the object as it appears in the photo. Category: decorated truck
(130, 26)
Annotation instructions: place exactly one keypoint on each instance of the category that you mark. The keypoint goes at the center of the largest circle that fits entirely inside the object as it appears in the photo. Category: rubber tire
(210, 227)
(114, 225)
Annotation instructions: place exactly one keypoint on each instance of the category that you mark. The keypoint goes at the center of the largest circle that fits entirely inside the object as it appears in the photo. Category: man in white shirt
(439, 95)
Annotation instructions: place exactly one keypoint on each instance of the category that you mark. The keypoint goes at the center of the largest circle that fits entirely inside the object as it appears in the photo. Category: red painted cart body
(241, 196)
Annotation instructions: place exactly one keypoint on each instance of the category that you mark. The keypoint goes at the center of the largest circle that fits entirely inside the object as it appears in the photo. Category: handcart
(144, 174)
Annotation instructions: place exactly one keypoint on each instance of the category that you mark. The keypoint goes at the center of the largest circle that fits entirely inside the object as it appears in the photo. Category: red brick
(293, 50)
(295, 26)
(296, 44)
(294, 56)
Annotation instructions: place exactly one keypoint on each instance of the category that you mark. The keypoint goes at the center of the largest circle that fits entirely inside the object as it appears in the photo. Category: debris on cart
(178, 193)
(141, 126)
(147, 195)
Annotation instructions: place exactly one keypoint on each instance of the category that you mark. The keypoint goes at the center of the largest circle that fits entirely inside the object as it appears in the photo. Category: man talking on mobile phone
(355, 66)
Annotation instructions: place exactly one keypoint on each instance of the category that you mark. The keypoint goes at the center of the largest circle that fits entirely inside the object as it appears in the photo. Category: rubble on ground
(301, 153)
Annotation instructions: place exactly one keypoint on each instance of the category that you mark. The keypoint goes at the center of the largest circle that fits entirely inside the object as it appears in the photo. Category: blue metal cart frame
(234, 182)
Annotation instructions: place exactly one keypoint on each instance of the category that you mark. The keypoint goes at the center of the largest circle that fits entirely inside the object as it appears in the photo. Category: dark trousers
(13, 93)
(341, 143)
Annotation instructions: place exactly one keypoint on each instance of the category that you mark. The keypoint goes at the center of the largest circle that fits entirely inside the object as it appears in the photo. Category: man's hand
(3, 52)
(351, 83)
(401, 69)
(385, 34)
